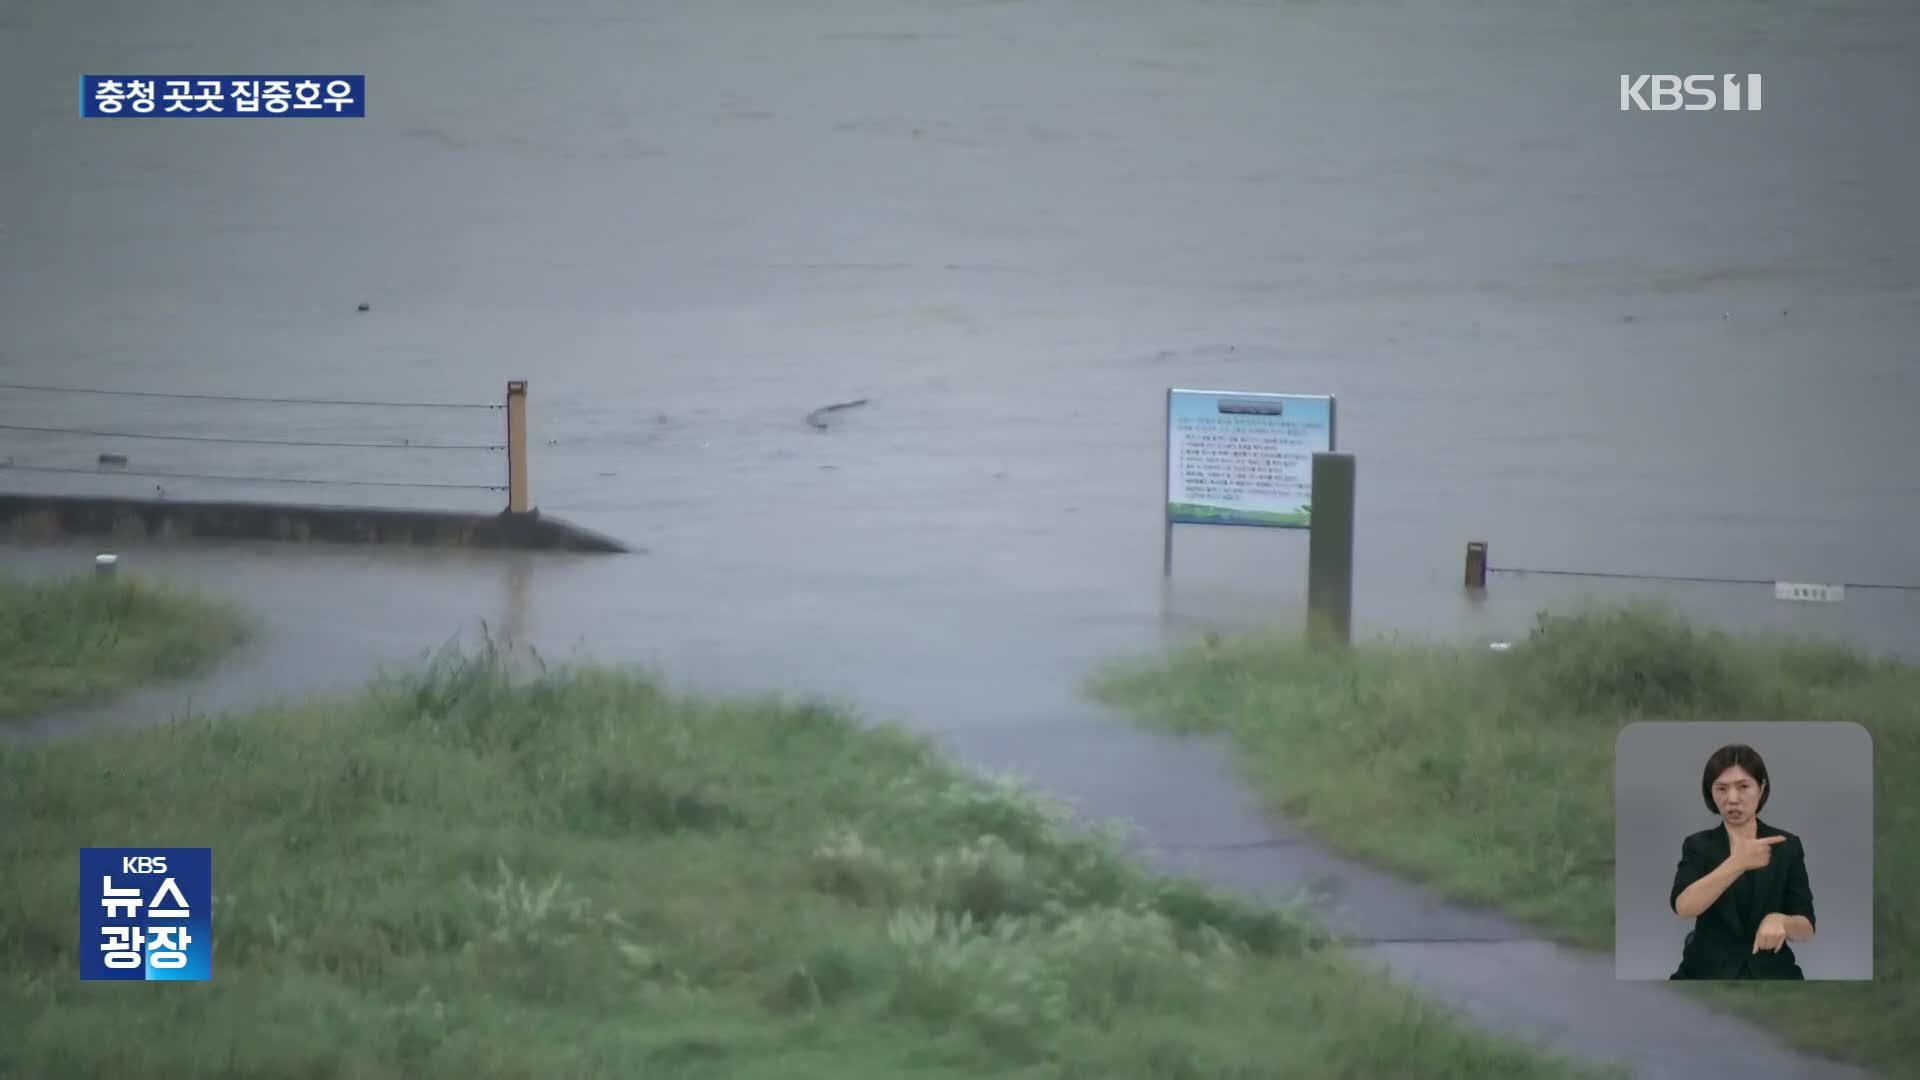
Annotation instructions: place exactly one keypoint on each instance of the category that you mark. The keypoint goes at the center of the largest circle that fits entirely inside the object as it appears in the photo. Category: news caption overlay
(146, 914)
(271, 96)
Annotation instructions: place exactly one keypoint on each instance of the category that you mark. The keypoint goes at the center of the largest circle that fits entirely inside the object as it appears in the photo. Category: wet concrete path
(1196, 820)
(1012, 709)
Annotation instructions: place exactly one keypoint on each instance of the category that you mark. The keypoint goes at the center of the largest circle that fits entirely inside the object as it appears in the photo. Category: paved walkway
(1195, 820)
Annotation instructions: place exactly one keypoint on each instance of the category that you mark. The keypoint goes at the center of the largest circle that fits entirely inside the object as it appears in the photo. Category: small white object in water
(1499, 646)
(104, 564)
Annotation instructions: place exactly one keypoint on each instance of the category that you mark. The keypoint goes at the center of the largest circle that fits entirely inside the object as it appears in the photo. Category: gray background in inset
(1822, 779)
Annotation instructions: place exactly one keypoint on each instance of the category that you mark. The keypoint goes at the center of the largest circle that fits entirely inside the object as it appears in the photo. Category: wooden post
(517, 447)
(1330, 550)
(1477, 564)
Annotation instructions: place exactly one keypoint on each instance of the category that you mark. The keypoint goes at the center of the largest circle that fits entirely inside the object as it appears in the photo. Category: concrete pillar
(1330, 550)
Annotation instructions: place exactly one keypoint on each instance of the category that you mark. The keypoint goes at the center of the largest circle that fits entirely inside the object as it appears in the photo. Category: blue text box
(273, 97)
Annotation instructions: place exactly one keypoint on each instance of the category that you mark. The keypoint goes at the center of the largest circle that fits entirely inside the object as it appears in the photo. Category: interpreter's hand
(1772, 935)
(1753, 853)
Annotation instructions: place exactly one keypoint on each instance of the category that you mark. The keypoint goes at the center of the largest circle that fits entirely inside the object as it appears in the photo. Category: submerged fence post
(517, 447)
(1477, 564)
(1330, 550)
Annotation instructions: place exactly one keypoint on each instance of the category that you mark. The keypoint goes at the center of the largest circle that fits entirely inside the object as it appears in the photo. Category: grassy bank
(465, 874)
(1484, 774)
(77, 640)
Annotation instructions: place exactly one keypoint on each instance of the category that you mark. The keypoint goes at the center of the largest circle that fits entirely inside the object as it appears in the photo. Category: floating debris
(815, 417)
(113, 459)
(364, 306)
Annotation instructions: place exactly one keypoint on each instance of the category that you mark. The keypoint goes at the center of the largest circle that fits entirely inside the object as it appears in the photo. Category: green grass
(1482, 773)
(80, 640)
(479, 871)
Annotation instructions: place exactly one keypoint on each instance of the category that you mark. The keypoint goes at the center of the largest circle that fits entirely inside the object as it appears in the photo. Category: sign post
(1242, 459)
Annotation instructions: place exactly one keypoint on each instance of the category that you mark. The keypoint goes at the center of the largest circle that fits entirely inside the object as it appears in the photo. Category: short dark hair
(1746, 757)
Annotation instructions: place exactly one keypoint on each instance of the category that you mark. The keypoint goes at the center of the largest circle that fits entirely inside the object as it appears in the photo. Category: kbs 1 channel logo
(146, 914)
(281, 97)
(1689, 93)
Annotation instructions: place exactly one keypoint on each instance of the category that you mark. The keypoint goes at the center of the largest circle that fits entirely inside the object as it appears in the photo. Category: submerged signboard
(1244, 458)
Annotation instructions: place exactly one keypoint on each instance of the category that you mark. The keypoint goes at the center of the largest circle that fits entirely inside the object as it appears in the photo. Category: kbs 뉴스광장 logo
(146, 914)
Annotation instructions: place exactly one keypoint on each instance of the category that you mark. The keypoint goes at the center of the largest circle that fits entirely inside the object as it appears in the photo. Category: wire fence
(252, 400)
(1687, 578)
(236, 441)
(403, 444)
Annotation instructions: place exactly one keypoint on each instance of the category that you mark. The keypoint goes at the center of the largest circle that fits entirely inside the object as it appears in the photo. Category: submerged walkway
(1190, 813)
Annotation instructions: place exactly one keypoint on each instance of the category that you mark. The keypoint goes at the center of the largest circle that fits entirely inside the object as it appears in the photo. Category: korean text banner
(270, 96)
(146, 913)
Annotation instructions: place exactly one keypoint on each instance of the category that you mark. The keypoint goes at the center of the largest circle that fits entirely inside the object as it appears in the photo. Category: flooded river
(1645, 343)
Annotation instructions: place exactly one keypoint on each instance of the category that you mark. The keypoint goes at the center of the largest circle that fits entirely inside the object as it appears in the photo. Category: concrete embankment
(39, 518)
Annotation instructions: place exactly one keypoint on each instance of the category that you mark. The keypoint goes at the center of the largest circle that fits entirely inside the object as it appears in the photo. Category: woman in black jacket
(1743, 882)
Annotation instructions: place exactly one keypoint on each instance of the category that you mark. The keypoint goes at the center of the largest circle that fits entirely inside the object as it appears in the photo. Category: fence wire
(115, 465)
(403, 445)
(253, 400)
(244, 479)
(1684, 578)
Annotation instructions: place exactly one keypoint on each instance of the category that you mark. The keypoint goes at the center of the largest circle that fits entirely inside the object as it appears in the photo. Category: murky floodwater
(1671, 343)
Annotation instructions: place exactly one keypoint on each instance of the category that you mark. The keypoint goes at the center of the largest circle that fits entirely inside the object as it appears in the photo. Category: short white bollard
(103, 564)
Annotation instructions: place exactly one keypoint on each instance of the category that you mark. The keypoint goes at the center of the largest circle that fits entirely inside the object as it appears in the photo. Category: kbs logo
(1670, 93)
(146, 914)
